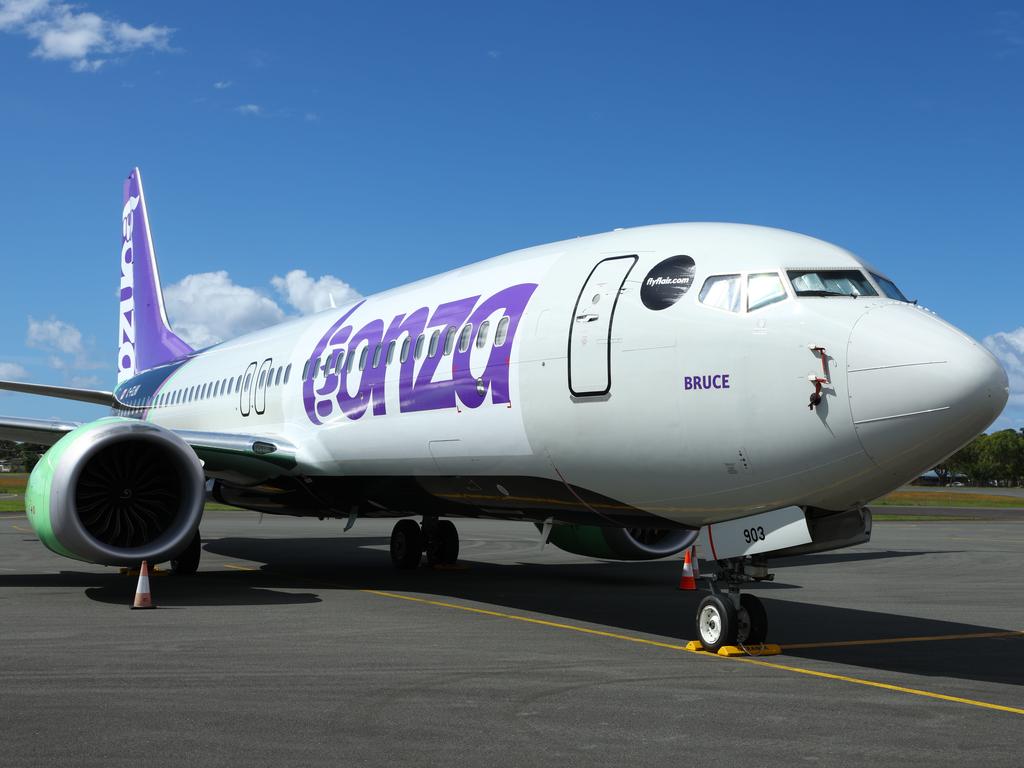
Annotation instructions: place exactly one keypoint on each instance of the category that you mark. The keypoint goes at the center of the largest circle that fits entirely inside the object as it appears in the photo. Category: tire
(443, 544)
(187, 563)
(751, 621)
(406, 544)
(449, 536)
(716, 622)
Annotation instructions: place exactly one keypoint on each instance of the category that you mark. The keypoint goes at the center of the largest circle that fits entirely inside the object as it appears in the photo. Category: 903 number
(751, 535)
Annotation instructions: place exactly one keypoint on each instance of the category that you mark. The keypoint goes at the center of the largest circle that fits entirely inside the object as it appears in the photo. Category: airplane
(631, 393)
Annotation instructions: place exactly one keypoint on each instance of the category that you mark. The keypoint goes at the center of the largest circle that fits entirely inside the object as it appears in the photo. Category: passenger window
(287, 372)
(449, 340)
(464, 337)
(248, 381)
(270, 376)
(432, 350)
(404, 354)
(376, 357)
(339, 363)
(419, 347)
(259, 384)
(501, 332)
(764, 289)
(351, 362)
(481, 334)
(722, 292)
(216, 389)
(362, 357)
(391, 352)
(279, 372)
(305, 371)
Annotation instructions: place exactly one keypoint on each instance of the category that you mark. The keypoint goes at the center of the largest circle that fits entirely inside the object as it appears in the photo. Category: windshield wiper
(824, 293)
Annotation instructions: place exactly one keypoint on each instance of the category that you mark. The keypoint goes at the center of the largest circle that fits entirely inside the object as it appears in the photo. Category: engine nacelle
(115, 492)
(621, 543)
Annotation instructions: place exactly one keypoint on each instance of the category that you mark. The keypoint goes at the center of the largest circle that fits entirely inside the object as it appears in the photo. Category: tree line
(995, 459)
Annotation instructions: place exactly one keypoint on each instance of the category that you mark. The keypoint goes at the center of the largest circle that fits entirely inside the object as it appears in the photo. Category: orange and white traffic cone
(143, 599)
(689, 579)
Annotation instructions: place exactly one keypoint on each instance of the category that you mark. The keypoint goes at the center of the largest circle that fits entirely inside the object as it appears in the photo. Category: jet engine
(621, 543)
(115, 492)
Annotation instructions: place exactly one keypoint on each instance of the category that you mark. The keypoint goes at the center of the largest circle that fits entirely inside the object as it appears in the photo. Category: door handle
(587, 317)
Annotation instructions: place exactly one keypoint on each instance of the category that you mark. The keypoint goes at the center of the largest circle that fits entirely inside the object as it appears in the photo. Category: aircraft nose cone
(919, 388)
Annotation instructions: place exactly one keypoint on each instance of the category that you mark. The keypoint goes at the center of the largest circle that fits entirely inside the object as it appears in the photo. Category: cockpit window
(722, 292)
(830, 282)
(889, 288)
(764, 289)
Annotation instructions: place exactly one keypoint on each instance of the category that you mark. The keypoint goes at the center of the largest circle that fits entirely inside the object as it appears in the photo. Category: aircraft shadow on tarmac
(206, 589)
(626, 597)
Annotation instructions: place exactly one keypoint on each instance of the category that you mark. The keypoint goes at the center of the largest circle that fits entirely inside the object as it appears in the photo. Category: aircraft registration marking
(677, 647)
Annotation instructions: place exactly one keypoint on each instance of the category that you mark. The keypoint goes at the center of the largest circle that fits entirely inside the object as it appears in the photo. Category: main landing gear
(727, 617)
(187, 563)
(438, 538)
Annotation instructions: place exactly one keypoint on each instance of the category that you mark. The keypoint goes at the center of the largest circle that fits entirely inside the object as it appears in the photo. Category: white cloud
(220, 85)
(1008, 347)
(308, 295)
(64, 345)
(12, 372)
(208, 307)
(54, 335)
(311, 117)
(85, 39)
(249, 109)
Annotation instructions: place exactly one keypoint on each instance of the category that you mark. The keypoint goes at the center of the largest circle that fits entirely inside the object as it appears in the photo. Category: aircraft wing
(38, 431)
(220, 452)
(96, 396)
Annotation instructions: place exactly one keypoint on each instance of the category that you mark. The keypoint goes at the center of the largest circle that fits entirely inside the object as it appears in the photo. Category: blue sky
(373, 144)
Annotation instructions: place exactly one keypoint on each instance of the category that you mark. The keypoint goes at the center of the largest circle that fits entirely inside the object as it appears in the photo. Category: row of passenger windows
(764, 288)
(453, 337)
(272, 377)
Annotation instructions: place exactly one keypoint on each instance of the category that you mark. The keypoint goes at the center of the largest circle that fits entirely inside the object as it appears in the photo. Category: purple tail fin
(144, 335)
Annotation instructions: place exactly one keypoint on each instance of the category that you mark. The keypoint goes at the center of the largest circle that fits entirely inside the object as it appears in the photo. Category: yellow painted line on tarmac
(676, 647)
(527, 619)
(23, 530)
(235, 567)
(16, 517)
(888, 640)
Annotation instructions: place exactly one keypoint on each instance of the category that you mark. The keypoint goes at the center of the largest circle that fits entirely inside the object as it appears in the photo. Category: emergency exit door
(590, 334)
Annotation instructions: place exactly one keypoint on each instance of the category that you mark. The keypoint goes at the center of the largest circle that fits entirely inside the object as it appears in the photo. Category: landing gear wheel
(443, 544)
(187, 563)
(716, 622)
(406, 544)
(751, 621)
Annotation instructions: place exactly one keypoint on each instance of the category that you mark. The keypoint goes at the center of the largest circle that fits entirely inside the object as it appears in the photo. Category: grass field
(948, 499)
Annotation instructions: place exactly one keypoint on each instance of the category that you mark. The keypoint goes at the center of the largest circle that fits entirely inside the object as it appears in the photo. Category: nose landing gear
(725, 617)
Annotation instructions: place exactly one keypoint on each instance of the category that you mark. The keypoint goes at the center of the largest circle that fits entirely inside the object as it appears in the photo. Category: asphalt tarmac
(299, 645)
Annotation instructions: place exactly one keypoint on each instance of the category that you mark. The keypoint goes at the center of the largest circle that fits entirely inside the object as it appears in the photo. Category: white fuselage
(690, 412)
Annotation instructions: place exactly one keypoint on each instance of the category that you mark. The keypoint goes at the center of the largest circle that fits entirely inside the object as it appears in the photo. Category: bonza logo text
(351, 391)
(126, 319)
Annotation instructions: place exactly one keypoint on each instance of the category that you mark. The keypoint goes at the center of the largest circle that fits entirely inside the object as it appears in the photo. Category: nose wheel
(728, 617)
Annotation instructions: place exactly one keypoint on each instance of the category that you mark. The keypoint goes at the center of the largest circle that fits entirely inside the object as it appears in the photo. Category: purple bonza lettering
(417, 391)
(429, 394)
(309, 397)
